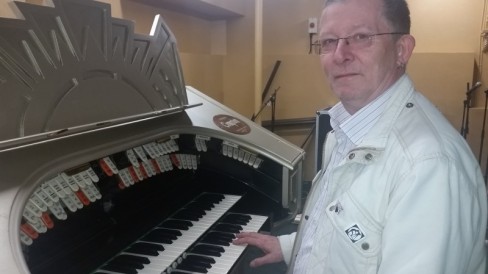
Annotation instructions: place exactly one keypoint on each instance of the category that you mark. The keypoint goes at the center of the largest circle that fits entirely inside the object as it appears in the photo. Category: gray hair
(395, 11)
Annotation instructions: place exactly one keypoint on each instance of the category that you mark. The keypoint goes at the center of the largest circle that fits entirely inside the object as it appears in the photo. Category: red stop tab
(29, 230)
(143, 171)
(133, 174)
(83, 199)
(46, 219)
(105, 167)
(175, 160)
(121, 185)
(156, 166)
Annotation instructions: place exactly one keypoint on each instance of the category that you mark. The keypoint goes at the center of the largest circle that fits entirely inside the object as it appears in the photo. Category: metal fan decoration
(73, 64)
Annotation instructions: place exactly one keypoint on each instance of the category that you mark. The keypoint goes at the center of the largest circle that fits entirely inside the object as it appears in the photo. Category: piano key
(145, 248)
(197, 263)
(128, 264)
(224, 256)
(119, 269)
(206, 249)
(191, 215)
(217, 238)
(239, 219)
(193, 267)
(196, 258)
(176, 224)
(231, 253)
(132, 258)
(231, 228)
(176, 242)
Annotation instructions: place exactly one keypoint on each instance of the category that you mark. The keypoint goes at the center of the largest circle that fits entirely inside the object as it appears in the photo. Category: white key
(226, 261)
(173, 251)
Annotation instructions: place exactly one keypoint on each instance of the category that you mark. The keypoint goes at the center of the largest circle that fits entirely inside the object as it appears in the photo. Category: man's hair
(395, 11)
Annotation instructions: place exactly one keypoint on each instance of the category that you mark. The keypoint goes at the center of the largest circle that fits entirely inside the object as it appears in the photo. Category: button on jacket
(410, 199)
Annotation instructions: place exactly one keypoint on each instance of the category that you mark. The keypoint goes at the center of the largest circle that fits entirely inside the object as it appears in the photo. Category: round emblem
(231, 124)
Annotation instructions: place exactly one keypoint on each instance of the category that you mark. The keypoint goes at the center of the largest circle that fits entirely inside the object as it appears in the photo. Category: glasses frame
(348, 39)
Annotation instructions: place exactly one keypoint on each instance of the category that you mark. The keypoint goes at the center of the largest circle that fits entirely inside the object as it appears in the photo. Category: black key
(166, 233)
(195, 263)
(230, 228)
(149, 246)
(210, 197)
(188, 215)
(177, 224)
(217, 238)
(162, 239)
(132, 258)
(162, 235)
(142, 250)
(200, 205)
(128, 264)
(197, 258)
(236, 219)
(193, 268)
(221, 235)
(210, 250)
(121, 269)
(173, 232)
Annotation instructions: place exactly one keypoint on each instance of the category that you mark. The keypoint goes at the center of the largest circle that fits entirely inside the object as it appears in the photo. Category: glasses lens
(360, 40)
(328, 45)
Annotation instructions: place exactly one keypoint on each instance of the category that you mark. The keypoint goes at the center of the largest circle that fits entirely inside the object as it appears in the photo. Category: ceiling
(197, 8)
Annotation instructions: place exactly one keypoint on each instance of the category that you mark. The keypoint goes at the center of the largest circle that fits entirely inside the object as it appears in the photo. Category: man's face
(359, 75)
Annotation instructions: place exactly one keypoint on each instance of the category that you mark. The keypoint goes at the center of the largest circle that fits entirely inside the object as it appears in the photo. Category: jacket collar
(378, 135)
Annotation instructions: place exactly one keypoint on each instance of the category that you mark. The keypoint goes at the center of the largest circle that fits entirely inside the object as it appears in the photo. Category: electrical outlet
(312, 25)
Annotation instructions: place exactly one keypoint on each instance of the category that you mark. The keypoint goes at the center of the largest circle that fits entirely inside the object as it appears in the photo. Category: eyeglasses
(355, 41)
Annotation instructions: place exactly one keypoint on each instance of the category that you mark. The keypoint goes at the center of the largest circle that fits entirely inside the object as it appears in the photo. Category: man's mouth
(344, 75)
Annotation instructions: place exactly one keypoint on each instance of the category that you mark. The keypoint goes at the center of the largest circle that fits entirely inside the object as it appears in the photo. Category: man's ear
(404, 45)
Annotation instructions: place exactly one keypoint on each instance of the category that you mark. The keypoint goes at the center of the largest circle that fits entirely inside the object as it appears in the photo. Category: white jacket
(410, 199)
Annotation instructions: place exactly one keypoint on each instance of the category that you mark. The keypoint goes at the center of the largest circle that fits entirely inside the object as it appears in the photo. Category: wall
(8, 10)
(218, 56)
(288, 41)
(443, 62)
(201, 67)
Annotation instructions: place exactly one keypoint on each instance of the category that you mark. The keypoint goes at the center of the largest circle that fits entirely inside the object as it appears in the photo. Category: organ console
(110, 164)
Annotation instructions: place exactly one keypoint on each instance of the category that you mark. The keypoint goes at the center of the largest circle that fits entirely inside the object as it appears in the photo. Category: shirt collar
(356, 126)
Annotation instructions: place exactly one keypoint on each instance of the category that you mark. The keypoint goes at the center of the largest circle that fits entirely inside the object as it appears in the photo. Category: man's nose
(343, 51)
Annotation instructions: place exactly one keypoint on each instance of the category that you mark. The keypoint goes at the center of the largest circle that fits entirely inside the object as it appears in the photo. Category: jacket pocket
(356, 240)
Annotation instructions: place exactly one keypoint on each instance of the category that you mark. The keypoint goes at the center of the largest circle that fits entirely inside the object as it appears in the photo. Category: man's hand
(268, 244)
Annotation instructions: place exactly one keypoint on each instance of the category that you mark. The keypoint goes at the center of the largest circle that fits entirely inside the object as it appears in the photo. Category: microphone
(473, 88)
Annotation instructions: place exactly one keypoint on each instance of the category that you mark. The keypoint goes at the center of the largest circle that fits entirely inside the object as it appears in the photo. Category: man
(400, 191)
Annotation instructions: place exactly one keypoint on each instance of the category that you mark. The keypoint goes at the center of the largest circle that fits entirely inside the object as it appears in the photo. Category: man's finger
(255, 241)
(266, 259)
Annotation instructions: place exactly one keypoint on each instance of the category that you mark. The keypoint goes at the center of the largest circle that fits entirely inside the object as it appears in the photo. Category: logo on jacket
(354, 233)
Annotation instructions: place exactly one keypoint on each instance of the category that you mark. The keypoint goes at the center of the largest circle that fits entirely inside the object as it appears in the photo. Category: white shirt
(349, 130)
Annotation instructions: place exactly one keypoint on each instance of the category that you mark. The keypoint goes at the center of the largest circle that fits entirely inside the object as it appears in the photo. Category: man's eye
(328, 42)
(360, 37)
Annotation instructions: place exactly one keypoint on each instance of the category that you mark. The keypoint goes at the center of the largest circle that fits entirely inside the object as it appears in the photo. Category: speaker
(322, 127)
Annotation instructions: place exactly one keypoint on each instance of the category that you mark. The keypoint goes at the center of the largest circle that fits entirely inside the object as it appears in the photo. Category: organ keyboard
(166, 248)
(159, 183)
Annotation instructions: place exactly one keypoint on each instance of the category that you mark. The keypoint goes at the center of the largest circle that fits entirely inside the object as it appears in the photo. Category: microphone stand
(483, 137)
(465, 122)
(271, 99)
(467, 105)
(483, 128)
